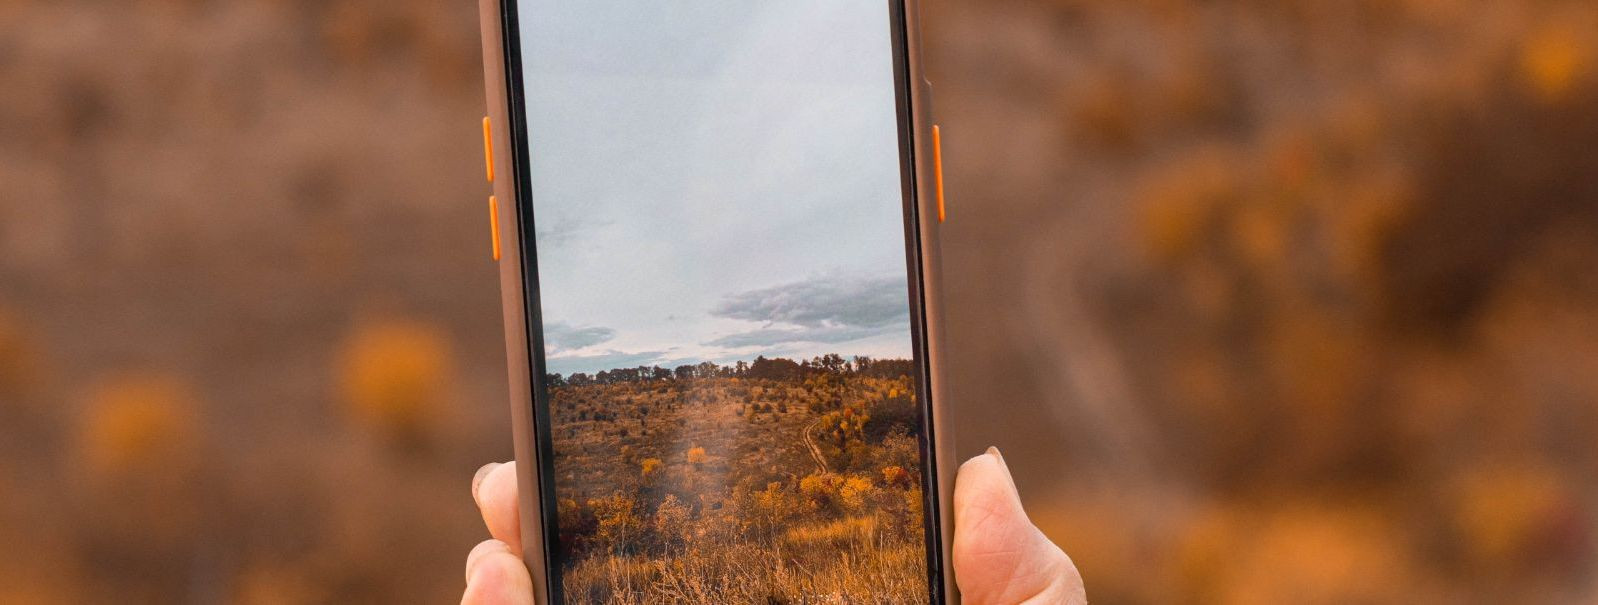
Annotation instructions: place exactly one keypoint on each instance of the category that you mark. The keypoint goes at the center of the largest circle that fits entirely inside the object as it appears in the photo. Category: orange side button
(488, 148)
(493, 223)
(937, 169)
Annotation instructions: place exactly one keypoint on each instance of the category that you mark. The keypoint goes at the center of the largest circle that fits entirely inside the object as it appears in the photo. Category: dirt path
(810, 446)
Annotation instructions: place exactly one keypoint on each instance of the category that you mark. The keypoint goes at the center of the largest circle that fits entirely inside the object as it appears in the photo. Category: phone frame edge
(518, 348)
(518, 356)
(931, 285)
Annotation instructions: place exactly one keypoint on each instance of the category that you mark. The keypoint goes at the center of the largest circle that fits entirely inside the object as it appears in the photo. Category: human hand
(1000, 558)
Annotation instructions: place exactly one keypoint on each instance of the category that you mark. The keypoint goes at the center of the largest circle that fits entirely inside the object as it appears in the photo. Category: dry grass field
(773, 482)
(1285, 301)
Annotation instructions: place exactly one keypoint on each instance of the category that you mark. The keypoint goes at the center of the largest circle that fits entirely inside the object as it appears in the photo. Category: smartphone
(716, 223)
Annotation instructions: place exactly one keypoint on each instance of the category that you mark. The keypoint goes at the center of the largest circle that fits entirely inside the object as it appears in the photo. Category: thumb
(1000, 558)
(496, 576)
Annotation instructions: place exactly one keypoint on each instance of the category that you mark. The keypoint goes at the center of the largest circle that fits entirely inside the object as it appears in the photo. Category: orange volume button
(493, 223)
(937, 170)
(488, 148)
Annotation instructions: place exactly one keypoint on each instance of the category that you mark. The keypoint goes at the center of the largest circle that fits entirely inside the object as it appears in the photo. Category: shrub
(1510, 518)
(853, 493)
(649, 465)
(897, 412)
(697, 457)
(820, 491)
(142, 424)
(394, 376)
(896, 476)
(576, 522)
(1553, 59)
(844, 425)
(618, 522)
(772, 500)
(671, 519)
(910, 521)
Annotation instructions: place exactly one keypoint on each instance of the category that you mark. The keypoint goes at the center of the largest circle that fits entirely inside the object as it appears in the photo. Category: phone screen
(731, 377)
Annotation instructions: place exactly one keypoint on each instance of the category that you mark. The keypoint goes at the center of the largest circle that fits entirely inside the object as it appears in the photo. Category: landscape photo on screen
(729, 364)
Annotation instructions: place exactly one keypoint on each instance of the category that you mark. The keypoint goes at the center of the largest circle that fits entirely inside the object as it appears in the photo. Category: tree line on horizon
(773, 368)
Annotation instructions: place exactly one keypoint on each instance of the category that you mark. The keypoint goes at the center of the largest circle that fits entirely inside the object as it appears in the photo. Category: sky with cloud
(714, 180)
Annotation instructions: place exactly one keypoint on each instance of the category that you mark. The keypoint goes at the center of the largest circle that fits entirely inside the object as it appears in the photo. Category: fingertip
(496, 576)
(497, 499)
(477, 479)
(985, 458)
(983, 479)
(484, 549)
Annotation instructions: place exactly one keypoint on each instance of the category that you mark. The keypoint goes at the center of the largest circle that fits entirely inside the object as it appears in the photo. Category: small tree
(853, 494)
(649, 466)
(697, 457)
(619, 524)
(671, 520)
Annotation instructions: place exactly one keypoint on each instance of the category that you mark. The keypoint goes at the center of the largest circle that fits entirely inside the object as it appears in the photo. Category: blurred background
(1266, 301)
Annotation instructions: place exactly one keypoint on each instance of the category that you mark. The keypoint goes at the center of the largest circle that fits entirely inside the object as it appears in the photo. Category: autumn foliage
(1266, 301)
(394, 375)
(761, 482)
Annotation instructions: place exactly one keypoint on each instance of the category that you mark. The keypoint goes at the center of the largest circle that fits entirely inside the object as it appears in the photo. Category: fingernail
(994, 451)
(477, 479)
(482, 550)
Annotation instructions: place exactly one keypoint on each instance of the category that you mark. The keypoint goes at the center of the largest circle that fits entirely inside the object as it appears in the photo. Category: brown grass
(856, 571)
(734, 489)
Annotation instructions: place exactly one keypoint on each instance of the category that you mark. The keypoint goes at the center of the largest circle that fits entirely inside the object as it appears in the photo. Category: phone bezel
(909, 114)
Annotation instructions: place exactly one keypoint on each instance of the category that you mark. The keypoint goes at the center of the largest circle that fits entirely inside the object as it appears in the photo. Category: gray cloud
(829, 309)
(554, 231)
(823, 334)
(823, 302)
(560, 337)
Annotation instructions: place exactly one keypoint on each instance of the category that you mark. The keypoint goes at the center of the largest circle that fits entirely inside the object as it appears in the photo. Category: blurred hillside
(251, 345)
(1307, 286)
(1286, 301)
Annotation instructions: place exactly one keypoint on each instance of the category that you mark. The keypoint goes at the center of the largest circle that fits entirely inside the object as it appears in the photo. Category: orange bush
(1554, 58)
(648, 466)
(139, 424)
(395, 375)
(896, 476)
(671, 518)
(854, 492)
(1310, 553)
(1181, 205)
(619, 522)
(1511, 517)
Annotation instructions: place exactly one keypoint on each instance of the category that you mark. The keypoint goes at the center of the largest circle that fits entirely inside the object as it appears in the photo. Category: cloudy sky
(714, 180)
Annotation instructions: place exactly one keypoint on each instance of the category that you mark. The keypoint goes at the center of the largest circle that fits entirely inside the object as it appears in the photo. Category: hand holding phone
(1001, 556)
(716, 223)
